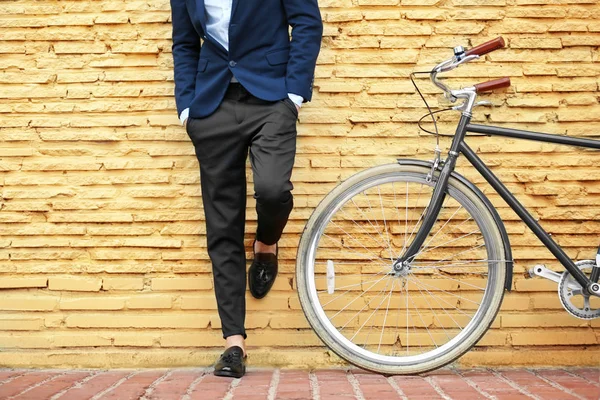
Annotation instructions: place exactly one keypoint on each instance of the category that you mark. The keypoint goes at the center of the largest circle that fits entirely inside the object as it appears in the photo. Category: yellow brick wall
(102, 246)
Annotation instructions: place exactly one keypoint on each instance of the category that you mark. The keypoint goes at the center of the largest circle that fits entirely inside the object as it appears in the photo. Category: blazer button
(232, 64)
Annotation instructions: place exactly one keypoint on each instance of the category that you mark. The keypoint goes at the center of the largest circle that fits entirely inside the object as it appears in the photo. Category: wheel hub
(401, 268)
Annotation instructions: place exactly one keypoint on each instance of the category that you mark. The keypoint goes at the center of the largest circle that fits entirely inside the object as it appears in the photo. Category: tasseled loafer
(262, 273)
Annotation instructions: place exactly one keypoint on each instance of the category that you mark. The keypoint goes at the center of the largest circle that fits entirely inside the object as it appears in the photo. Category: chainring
(569, 290)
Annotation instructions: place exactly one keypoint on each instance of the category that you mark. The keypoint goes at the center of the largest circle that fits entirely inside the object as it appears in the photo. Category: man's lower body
(242, 125)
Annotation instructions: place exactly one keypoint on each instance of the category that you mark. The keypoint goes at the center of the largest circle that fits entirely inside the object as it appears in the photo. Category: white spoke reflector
(330, 277)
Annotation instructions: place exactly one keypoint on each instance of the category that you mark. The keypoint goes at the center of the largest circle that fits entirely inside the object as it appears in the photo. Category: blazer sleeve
(186, 52)
(307, 31)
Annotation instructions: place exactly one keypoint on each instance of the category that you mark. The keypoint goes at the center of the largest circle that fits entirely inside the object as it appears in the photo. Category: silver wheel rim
(466, 335)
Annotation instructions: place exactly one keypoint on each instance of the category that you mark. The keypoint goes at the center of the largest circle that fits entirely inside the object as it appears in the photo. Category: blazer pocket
(202, 62)
(278, 57)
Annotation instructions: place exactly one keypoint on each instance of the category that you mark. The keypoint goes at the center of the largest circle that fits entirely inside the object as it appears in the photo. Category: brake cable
(431, 113)
(437, 151)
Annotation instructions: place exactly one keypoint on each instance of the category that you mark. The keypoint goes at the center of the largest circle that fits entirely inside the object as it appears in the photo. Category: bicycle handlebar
(491, 85)
(487, 47)
(461, 57)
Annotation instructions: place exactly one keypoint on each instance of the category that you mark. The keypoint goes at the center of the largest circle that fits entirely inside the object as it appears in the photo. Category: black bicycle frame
(459, 146)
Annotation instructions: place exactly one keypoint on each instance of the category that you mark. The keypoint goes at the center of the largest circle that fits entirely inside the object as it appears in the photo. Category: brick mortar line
(394, 384)
(193, 384)
(475, 386)
(273, 385)
(355, 385)
(77, 385)
(515, 385)
(113, 386)
(234, 383)
(556, 385)
(40, 383)
(11, 378)
(314, 386)
(153, 385)
(437, 388)
(582, 377)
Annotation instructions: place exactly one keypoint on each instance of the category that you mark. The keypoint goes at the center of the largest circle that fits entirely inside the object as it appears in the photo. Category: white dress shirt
(218, 13)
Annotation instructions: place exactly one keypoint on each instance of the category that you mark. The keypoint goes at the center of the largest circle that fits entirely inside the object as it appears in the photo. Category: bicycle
(420, 243)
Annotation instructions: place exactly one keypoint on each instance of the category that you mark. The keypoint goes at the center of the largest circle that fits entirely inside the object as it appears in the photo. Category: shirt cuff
(184, 115)
(296, 99)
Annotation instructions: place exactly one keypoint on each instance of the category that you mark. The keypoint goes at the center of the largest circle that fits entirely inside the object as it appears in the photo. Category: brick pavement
(284, 384)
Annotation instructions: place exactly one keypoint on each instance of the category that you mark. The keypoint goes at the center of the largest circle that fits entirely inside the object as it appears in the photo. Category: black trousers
(267, 130)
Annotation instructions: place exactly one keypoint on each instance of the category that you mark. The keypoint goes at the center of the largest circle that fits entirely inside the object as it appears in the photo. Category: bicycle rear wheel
(409, 321)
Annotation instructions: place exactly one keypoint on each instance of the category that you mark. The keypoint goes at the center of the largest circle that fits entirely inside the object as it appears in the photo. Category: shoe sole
(229, 374)
(258, 297)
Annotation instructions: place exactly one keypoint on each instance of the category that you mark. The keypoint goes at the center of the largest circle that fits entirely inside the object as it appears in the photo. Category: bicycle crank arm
(541, 270)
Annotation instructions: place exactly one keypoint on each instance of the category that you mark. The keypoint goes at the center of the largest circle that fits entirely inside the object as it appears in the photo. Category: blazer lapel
(198, 17)
(233, 7)
(196, 10)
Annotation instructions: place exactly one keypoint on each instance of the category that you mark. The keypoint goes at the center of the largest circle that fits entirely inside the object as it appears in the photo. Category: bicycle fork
(437, 199)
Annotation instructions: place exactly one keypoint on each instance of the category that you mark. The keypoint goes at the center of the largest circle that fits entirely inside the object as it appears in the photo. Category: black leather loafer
(262, 273)
(232, 363)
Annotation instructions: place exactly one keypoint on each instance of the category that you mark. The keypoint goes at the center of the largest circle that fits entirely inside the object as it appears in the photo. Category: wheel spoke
(424, 324)
(353, 285)
(356, 298)
(360, 226)
(355, 252)
(432, 312)
(365, 306)
(387, 309)
(385, 226)
(449, 293)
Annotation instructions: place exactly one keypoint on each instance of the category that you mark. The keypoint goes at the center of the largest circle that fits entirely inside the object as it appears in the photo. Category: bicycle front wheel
(425, 315)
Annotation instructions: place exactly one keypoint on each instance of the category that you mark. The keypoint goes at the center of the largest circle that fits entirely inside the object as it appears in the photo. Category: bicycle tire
(485, 314)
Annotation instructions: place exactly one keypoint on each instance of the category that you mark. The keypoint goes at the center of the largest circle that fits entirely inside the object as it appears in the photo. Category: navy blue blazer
(261, 56)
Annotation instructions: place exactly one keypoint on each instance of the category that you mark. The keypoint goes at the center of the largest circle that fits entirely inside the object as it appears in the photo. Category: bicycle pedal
(530, 274)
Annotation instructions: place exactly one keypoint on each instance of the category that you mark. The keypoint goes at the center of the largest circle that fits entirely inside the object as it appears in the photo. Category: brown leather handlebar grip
(487, 47)
(491, 85)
